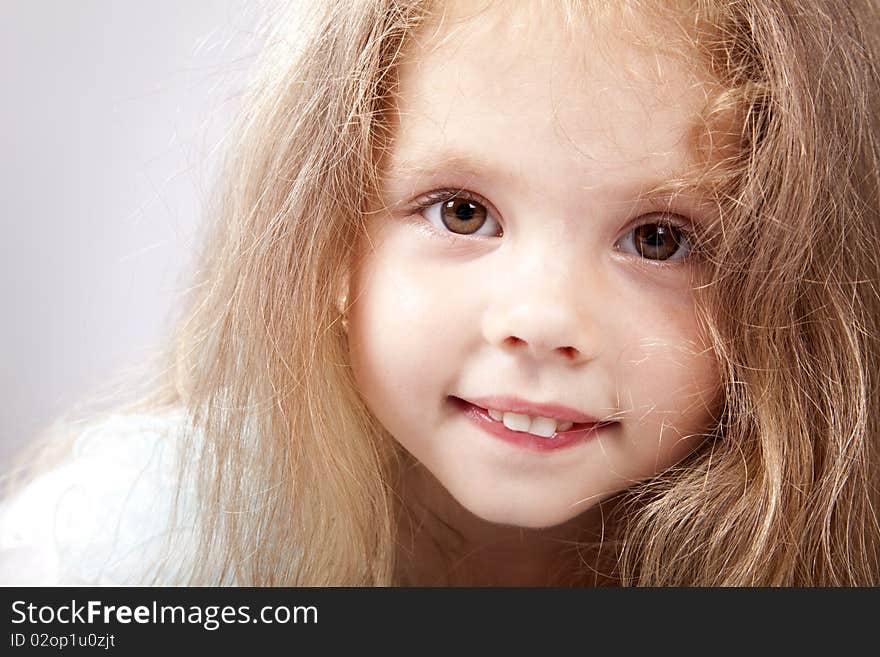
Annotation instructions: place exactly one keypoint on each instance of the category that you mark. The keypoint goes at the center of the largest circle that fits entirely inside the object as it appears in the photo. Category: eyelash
(442, 195)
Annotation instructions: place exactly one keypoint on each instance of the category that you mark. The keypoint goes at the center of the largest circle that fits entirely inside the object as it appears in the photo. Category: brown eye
(459, 212)
(658, 241)
(463, 216)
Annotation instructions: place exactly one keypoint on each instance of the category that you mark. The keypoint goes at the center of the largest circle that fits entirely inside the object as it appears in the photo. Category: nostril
(571, 353)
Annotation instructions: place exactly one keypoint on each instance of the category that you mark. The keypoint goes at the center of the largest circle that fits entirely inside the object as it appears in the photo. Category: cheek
(671, 377)
(403, 338)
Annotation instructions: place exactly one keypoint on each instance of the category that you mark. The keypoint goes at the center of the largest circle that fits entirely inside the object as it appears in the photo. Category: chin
(524, 516)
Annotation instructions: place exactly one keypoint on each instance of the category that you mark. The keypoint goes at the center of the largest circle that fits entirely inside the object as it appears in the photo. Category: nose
(541, 316)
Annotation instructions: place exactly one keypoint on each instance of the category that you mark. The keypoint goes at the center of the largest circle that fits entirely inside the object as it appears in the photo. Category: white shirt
(102, 516)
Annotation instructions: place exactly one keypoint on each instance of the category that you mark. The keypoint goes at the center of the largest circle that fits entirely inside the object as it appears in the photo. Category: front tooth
(495, 415)
(543, 426)
(517, 422)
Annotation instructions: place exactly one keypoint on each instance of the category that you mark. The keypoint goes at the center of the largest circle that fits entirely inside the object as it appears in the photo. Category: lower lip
(481, 418)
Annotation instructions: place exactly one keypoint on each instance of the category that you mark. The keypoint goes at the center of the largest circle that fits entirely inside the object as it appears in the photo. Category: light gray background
(111, 117)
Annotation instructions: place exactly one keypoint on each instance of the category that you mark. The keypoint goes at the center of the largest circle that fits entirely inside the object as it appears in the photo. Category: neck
(440, 543)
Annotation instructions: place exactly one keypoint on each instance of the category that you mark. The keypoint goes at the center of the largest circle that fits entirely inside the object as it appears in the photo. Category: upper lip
(552, 410)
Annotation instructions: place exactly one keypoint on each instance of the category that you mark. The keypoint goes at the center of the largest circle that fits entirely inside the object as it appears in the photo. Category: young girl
(499, 293)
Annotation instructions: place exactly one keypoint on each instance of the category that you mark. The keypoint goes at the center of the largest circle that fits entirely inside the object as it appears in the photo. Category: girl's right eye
(459, 212)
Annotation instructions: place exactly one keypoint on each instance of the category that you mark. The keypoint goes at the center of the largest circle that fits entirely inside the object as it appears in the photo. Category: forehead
(526, 85)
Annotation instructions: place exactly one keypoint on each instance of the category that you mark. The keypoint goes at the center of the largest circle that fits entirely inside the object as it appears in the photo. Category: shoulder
(101, 516)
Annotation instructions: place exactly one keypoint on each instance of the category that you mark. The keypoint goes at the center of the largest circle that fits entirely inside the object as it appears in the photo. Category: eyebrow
(461, 163)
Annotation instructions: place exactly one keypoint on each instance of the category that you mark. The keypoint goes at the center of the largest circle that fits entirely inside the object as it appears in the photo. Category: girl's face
(515, 268)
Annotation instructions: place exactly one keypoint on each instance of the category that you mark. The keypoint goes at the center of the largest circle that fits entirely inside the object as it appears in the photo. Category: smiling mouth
(535, 425)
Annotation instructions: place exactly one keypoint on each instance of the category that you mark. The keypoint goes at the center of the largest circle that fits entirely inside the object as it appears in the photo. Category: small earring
(343, 311)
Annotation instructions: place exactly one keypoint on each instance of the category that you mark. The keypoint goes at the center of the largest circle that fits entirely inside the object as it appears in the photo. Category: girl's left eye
(458, 212)
(658, 240)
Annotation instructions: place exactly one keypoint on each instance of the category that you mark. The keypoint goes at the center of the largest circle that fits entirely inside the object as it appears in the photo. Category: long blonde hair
(297, 481)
